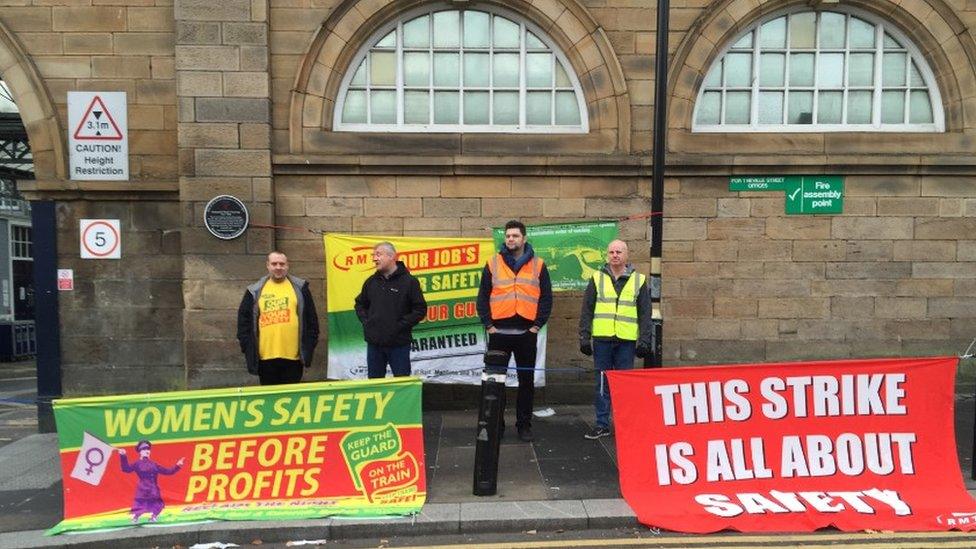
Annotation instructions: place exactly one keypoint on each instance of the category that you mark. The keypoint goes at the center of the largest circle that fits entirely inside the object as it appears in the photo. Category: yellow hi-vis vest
(616, 315)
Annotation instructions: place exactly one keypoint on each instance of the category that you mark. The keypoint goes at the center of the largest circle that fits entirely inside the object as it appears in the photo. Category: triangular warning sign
(97, 123)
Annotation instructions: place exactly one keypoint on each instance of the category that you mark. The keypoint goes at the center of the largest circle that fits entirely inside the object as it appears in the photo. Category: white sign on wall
(101, 239)
(98, 142)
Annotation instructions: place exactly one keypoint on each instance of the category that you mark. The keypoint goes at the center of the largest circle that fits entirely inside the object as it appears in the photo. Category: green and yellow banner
(448, 345)
(572, 251)
(350, 448)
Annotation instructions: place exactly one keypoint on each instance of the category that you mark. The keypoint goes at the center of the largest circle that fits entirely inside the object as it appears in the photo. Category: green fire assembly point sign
(805, 194)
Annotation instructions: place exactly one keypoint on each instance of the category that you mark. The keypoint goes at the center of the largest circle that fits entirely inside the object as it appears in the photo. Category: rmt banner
(350, 448)
(853, 444)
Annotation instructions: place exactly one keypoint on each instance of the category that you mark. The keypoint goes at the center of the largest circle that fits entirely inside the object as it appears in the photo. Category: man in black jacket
(277, 326)
(389, 306)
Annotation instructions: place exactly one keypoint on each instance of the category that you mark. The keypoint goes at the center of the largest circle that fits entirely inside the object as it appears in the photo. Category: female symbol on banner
(100, 239)
(92, 463)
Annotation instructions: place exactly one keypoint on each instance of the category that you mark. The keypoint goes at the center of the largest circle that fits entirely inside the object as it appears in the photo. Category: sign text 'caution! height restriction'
(98, 140)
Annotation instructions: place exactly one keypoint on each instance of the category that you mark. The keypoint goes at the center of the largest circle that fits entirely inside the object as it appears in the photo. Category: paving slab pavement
(560, 481)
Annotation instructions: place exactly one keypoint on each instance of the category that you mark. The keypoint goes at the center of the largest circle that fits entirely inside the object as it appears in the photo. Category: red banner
(853, 444)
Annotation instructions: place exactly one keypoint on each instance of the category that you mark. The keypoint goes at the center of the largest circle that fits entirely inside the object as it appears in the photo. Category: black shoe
(525, 434)
(597, 432)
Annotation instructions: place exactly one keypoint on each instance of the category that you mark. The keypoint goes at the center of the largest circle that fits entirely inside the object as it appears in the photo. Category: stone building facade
(239, 97)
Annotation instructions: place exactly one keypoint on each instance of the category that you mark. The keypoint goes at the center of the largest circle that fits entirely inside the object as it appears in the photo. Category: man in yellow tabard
(615, 324)
(277, 326)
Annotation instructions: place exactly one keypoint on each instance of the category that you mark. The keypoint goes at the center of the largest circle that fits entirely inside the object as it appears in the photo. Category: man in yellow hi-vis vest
(615, 324)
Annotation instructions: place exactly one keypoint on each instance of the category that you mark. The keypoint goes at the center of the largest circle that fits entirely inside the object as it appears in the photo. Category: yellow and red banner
(853, 444)
(255, 453)
(449, 343)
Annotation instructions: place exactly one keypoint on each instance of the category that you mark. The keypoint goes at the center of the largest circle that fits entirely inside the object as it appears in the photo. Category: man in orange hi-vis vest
(514, 303)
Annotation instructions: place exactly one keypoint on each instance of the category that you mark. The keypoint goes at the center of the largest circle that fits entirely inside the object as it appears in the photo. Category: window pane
(890, 43)
(476, 107)
(773, 34)
(829, 107)
(744, 42)
(416, 107)
(354, 108)
(802, 28)
(506, 108)
(416, 33)
(801, 69)
(893, 69)
(532, 42)
(861, 70)
(862, 33)
(382, 66)
(476, 29)
(446, 69)
(714, 78)
(538, 107)
(737, 106)
(416, 69)
(567, 109)
(562, 79)
(382, 107)
(359, 79)
(447, 26)
(506, 33)
(830, 70)
(506, 69)
(738, 69)
(915, 77)
(801, 108)
(538, 69)
(771, 67)
(476, 71)
(446, 105)
(709, 108)
(770, 107)
(859, 107)
(920, 108)
(892, 107)
(832, 30)
(388, 41)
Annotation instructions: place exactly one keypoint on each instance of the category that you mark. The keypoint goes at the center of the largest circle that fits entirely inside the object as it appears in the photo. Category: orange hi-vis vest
(514, 294)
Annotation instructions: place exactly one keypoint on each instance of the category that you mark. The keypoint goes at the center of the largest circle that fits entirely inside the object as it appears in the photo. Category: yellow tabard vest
(615, 315)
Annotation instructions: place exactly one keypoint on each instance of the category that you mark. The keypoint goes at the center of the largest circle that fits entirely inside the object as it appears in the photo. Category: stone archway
(931, 24)
(36, 108)
(568, 23)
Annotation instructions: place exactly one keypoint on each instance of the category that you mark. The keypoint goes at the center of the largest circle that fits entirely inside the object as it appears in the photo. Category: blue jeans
(609, 355)
(378, 357)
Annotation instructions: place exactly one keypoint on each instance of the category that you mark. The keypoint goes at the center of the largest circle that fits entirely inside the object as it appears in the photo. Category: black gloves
(642, 350)
(586, 348)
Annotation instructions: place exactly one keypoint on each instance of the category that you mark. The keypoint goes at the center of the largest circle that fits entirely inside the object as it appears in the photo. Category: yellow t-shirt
(278, 321)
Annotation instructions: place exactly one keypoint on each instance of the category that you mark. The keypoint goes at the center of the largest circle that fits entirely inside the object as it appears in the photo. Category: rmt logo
(966, 521)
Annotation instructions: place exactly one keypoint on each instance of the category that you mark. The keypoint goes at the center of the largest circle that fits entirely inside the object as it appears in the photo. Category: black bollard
(490, 410)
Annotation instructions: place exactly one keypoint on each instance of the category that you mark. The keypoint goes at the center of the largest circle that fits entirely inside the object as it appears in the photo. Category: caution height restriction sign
(98, 141)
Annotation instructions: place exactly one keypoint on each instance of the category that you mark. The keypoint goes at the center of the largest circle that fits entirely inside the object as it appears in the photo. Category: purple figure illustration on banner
(147, 498)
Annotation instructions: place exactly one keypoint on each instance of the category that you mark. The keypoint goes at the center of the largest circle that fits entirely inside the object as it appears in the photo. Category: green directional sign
(762, 183)
(816, 195)
(805, 194)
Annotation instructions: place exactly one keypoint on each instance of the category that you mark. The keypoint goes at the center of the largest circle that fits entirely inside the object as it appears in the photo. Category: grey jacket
(247, 322)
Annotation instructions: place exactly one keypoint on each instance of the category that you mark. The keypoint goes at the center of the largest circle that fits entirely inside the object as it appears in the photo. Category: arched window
(819, 71)
(449, 70)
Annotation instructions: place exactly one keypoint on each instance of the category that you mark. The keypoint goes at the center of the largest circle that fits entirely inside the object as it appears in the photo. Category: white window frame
(401, 127)
(881, 27)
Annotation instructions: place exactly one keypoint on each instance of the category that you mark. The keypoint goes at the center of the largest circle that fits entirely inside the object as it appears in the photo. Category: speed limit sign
(100, 239)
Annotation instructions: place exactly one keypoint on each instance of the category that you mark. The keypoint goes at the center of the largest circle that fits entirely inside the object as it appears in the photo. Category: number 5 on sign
(101, 239)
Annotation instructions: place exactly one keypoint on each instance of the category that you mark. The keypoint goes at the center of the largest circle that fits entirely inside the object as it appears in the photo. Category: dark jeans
(377, 357)
(609, 355)
(523, 346)
(279, 371)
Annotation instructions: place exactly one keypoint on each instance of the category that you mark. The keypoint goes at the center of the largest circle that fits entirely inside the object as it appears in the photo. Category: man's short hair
(515, 224)
(386, 245)
(273, 252)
